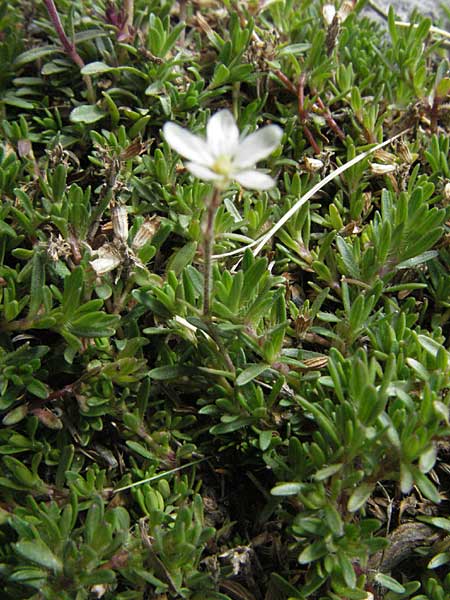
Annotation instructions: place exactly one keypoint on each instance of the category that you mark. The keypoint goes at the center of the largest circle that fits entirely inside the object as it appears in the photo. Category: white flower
(224, 156)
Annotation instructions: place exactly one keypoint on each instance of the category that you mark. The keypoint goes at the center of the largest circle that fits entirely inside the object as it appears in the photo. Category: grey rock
(404, 8)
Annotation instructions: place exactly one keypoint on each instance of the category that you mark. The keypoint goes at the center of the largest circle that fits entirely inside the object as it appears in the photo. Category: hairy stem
(208, 244)
(69, 46)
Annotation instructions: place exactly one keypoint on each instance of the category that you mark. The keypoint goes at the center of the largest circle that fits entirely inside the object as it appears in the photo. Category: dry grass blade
(262, 241)
(160, 475)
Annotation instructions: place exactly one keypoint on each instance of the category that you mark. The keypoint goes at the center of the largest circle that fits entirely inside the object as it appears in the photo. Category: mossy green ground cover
(289, 437)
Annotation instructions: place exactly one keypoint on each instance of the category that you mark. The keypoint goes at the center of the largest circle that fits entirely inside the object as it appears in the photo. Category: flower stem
(208, 244)
(128, 6)
(69, 46)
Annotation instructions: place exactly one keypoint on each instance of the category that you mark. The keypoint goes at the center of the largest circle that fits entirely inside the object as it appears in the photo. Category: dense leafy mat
(292, 442)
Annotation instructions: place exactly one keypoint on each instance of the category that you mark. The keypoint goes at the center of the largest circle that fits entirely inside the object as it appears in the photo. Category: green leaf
(419, 369)
(20, 472)
(265, 439)
(250, 373)
(348, 571)
(295, 49)
(252, 279)
(37, 283)
(230, 426)
(37, 388)
(406, 478)
(89, 34)
(221, 75)
(285, 587)
(30, 576)
(440, 522)
(36, 53)
(182, 257)
(360, 496)
(334, 521)
(389, 582)
(345, 251)
(99, 577)
(16, 415)
(427, 459)
(95, 324)
(6, 229)
(139, 449)
(170, 372)
(96, 68)
(313, 552)
(327, 472)
(287, 489)
(443, 87)
(417, 260)
(372, 404)
(59, 182)
(86, 113)
(425, 485)
(440, 559)
(38, 552)
(430, 345)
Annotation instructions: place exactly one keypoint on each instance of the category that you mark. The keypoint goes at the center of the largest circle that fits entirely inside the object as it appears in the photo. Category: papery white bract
(109, 258)
(224, 156)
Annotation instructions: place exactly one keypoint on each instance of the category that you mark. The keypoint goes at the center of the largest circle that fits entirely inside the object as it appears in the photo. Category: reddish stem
(303, 115)
(329, 119)
(299, 92)
(311, 139)
(282, 77)
(69, 46)
(434, 114)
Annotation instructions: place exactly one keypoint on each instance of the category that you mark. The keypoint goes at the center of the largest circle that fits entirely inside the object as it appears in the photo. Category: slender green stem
(106, 197)
(208, 245)
(216, 337)
(236, 95)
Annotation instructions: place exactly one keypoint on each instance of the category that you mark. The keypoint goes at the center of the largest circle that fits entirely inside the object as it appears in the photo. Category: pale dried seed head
(145, 232)
(379, 169)
(108, 259)
(312, 164)
(447, 191)
(346, 8)
(404, 153)
(119, 217)
(328, 13)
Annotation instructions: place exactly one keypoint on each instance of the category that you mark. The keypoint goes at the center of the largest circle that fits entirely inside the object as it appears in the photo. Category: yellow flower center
(222, 166)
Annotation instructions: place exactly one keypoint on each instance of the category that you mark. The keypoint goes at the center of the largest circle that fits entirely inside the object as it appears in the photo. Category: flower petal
(254, 180)
(187, 144)
(222, 134)
(257, 146)
(202, 172)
